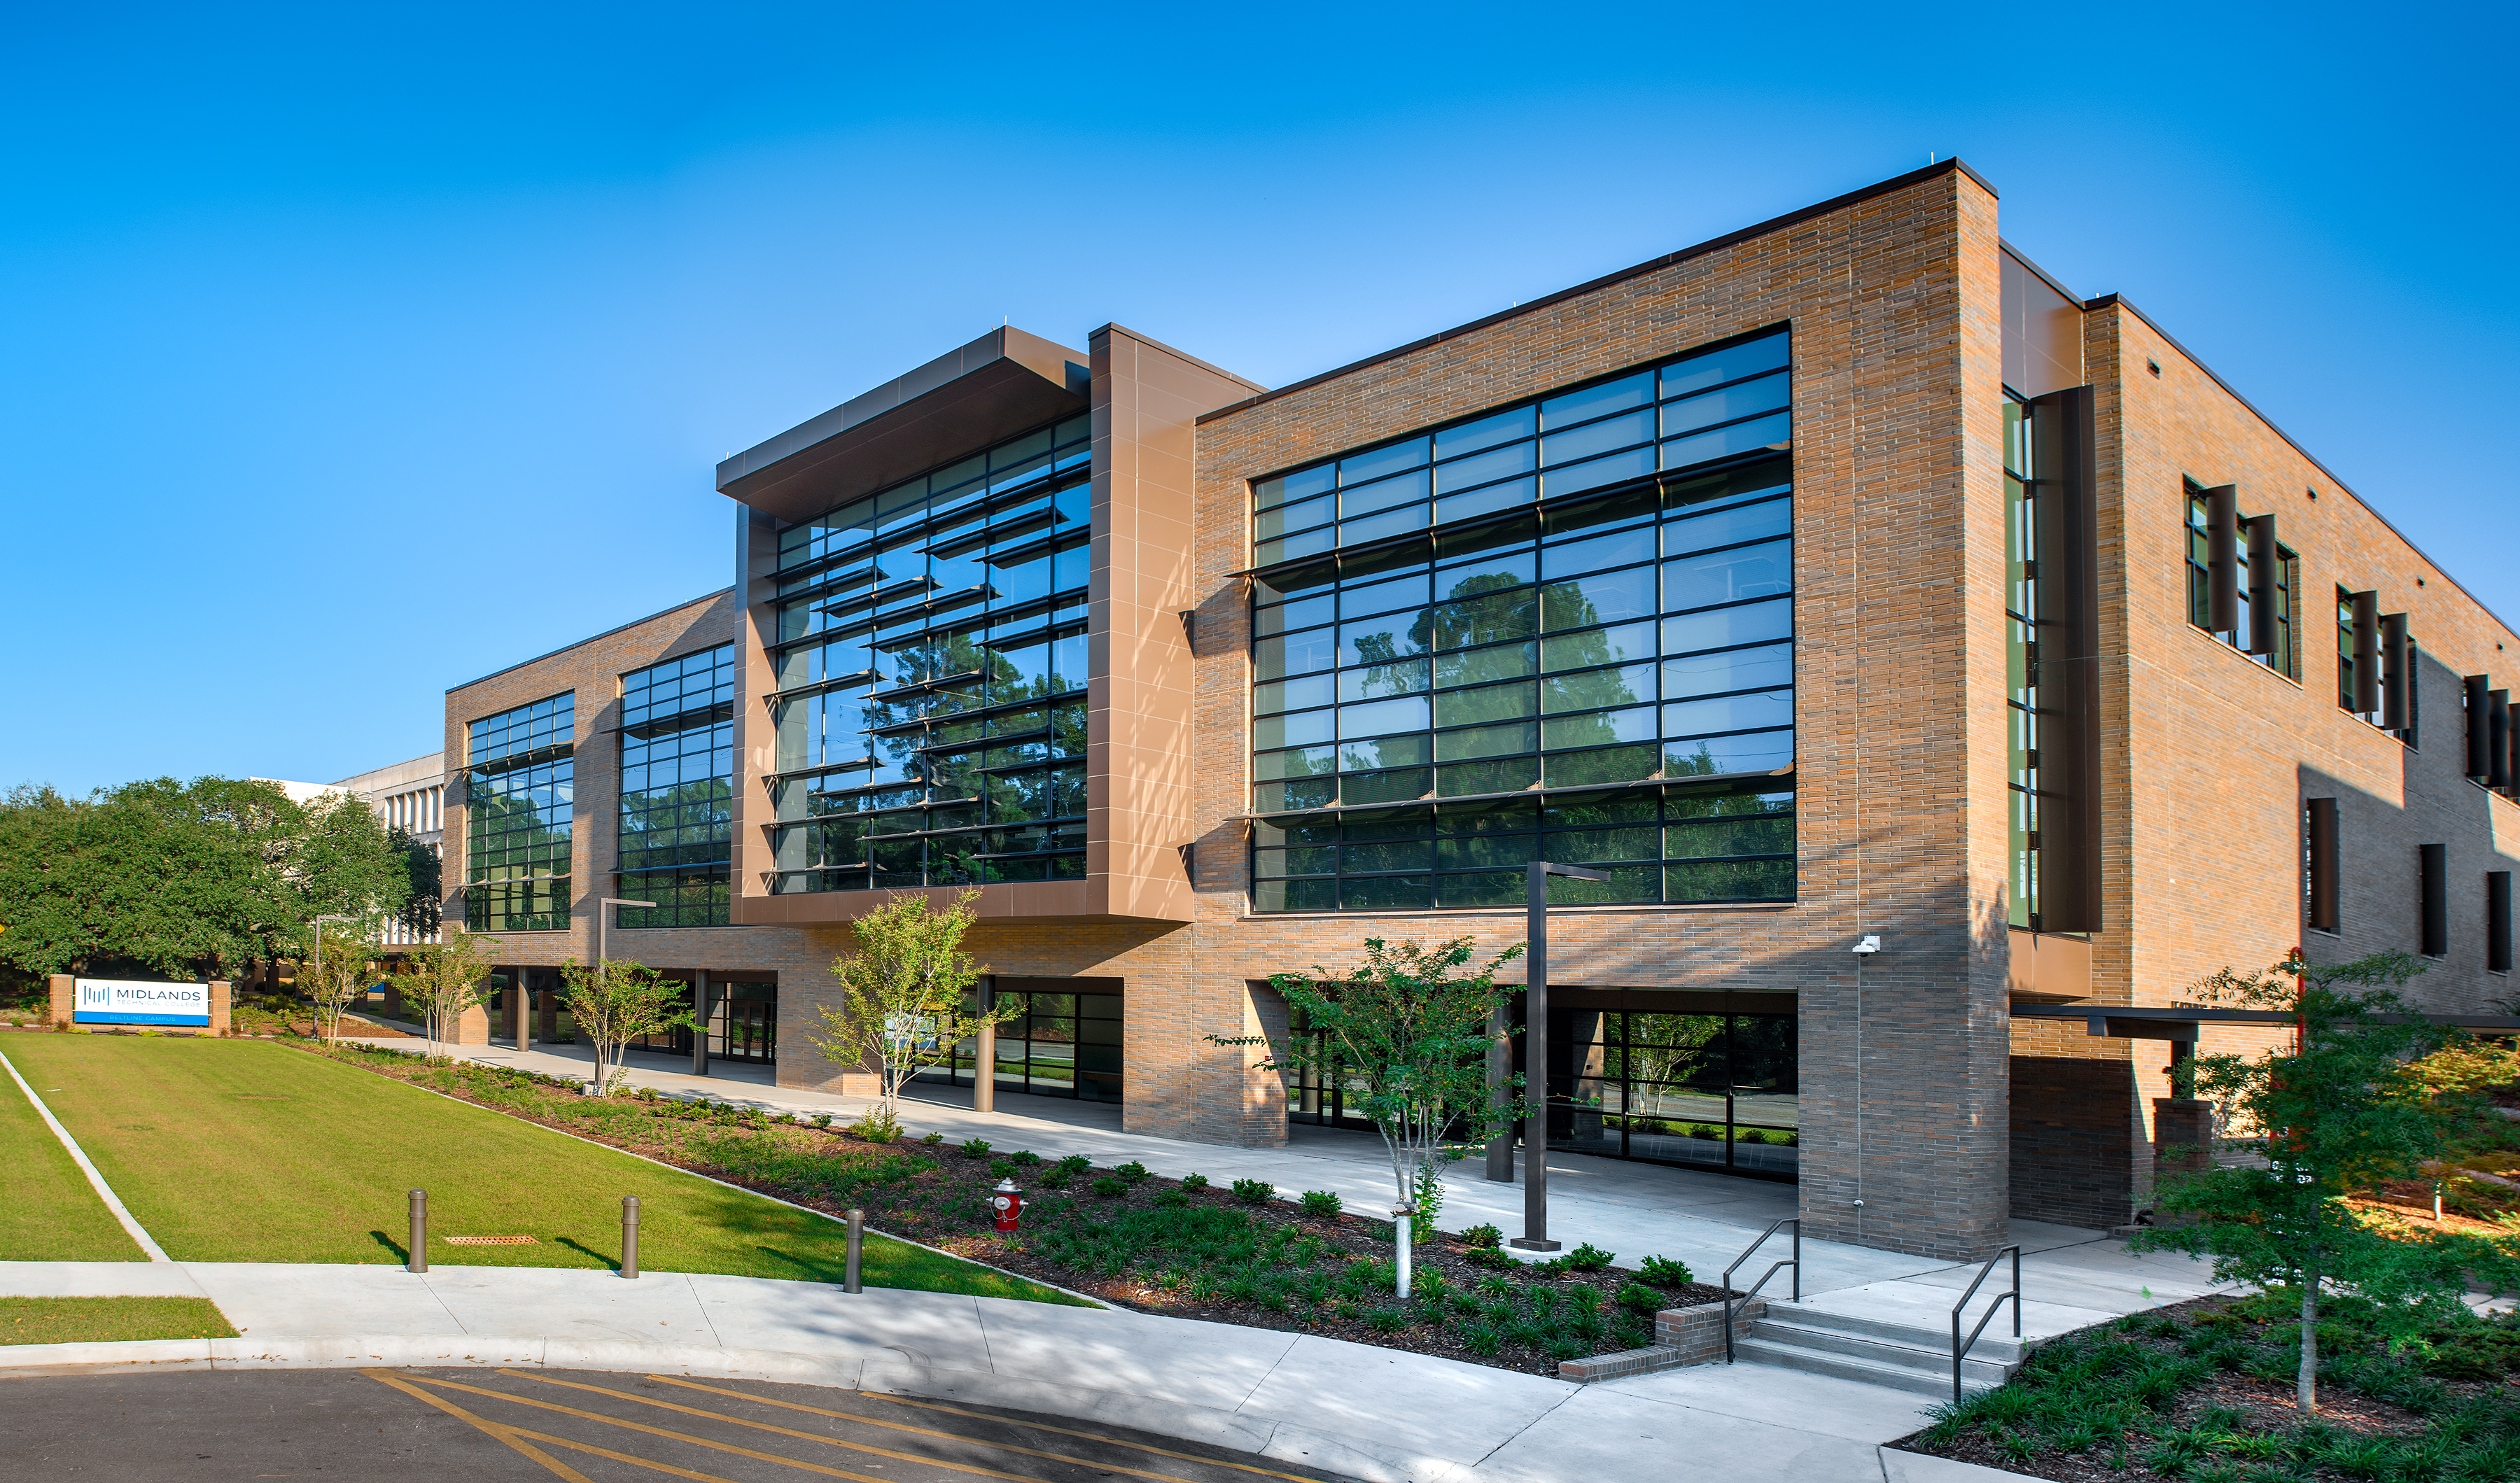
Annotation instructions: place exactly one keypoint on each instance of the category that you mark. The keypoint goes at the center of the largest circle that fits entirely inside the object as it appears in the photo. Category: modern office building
(1842, 581)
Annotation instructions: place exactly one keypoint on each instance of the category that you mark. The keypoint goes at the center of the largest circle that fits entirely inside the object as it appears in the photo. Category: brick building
(1842, 577)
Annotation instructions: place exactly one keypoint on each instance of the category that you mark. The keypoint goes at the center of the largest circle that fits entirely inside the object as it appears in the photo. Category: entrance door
(1705, 1081)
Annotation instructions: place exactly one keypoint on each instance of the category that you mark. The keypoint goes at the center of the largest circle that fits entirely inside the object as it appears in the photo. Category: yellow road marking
(623, 1457)
(505, 1434)
(677, 1436)
(810, 1436)
(1090, 1437)
(1058, 1457)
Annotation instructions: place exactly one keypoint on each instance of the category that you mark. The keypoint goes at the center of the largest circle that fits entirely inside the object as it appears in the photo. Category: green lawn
(84, 1321)
(244, 1151)
(48, 1210)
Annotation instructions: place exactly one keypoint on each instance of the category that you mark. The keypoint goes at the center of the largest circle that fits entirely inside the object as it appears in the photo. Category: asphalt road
(532, 1427)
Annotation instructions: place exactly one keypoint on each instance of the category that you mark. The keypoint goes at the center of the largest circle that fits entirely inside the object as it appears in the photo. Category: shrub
(1055, 1177)
(1751, 1136)
(1587, 1258)
(972, 1148)
(1254, 1192)
(822, 1119)
(1488, 1256)
(1482, 1237)
(1172, 1200)
(1109, 1187)
(1479, 1340)
(1705, 1131)
(1387, 1319)
(1663, 1272)
(877, 1126)
(1132, 1171)
(1321, 1205)
(1024, 1158)
(1640, 1299)
(932, 1139)
(1076, 1163)
(1000, 1168)
(1194, 1182)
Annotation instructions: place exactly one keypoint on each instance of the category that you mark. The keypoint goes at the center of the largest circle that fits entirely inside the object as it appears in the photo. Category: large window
(1605, 675)
(677, 789)
(931, 668)
(2266, 636)
(519, 772)
(1066, 1041)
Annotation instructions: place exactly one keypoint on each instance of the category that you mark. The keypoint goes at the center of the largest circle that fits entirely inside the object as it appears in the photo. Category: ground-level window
(1066, 1041)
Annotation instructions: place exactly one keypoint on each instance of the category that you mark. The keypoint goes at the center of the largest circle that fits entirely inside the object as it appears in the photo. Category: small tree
(444, 980)
(903, 1000)
(615, 1002)
(348, 960)
(1406, 1036)
(2344, 1107)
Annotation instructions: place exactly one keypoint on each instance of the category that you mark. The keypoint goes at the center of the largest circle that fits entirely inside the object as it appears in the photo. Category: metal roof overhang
(1001, 384)
(2162, 1022)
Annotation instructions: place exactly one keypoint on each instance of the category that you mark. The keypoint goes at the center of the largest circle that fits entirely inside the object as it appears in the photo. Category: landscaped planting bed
(1246, 1254)
(2203, 1392)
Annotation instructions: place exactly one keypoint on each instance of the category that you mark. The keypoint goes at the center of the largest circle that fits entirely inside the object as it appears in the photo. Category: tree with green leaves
(1404, 1034)
(338, 976)
(613, 1003)
(188, 880)
(2342, 1109)
(905, 1000)
(440, 981)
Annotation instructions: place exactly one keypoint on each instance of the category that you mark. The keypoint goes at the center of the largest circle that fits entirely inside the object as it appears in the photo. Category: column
(701, 1012)
(473, 1026)
(984, 1058)
(219, 995)
(61, 998)
(521, 1010)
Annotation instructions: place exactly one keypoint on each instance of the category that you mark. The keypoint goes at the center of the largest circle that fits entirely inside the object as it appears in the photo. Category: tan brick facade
(1919, 1129)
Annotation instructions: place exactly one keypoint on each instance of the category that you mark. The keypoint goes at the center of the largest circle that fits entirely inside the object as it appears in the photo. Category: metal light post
(604, 916)
(1535, 1054)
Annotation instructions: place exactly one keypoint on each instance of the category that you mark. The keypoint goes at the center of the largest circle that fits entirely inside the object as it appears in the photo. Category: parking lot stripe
(678, 1436)
(1030, 1452)
(505, 1434)
(1090, 1437)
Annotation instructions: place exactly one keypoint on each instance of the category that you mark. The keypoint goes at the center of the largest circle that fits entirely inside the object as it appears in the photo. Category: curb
(1359, 1458)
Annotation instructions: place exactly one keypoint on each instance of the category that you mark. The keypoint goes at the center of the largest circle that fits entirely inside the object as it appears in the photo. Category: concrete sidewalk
(1380, 1415)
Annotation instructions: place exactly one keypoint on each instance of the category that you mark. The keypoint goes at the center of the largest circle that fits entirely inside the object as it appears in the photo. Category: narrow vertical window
(2318, 866)
(2498, 922)
(2021, 659)
(2433, 897)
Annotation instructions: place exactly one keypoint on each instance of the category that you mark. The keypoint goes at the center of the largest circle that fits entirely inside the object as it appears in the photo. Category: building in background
(1842, 578)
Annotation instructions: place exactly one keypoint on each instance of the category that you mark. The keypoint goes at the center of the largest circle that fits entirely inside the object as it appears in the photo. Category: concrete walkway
(1380, 1415)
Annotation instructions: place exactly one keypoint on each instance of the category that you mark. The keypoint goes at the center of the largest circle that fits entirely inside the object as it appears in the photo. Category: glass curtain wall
(1066, 1043)
(930, 671)
(677, 789)
(1531, 635)
(742, 1024)
(520, 774)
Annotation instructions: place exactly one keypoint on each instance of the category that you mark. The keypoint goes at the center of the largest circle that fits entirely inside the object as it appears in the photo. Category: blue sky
(353, 352)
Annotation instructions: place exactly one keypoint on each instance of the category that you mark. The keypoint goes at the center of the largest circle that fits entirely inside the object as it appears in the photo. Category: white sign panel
(130, 1001)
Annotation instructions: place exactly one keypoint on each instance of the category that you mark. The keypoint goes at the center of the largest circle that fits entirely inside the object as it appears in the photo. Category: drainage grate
(488, 1240)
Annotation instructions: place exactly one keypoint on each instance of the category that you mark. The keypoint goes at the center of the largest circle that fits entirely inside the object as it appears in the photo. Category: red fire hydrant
(1007, 1201)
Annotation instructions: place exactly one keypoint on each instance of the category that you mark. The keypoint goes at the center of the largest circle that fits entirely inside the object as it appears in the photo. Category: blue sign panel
(127, 1002)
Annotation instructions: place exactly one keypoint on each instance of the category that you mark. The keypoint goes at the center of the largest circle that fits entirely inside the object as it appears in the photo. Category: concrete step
(1847, 1366)
(1884, 1352)
(1996, 1343)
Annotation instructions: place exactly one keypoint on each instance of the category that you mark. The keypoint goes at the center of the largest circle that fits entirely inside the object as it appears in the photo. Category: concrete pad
(275, 1299)
(1370, 1462)
(880, 1325)
(1792, 1398)
(1610, 1435)
(97, 1280)
(656, 1308)
(1915, 1468)
(1112, 1407)
(1187, 1361)
(1421, 1405)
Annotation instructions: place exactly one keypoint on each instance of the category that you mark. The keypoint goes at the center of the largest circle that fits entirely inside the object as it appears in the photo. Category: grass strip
(109, 1320)
(244, 1151)
(48, 1210)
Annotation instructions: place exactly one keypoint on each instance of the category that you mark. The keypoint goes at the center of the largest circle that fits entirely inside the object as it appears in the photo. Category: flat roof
(1006, 381)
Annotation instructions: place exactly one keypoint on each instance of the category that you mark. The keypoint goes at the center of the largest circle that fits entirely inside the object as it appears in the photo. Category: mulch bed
(1491, 1309)
(2245, 1425)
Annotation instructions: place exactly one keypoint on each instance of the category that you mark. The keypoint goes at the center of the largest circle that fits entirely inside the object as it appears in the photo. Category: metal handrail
(1795, 1262)
(1960, 1349)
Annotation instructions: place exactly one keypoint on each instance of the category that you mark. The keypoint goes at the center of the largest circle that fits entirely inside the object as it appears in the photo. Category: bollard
(1402, 1229)
(417, 1259)
(629, 1236)
(857, 1241)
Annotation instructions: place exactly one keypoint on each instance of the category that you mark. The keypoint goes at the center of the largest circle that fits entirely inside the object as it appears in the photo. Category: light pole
(319, 942)
(1535, 1052)
(603, 915)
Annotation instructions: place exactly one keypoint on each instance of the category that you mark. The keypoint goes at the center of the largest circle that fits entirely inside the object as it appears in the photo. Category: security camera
(1870, 943)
